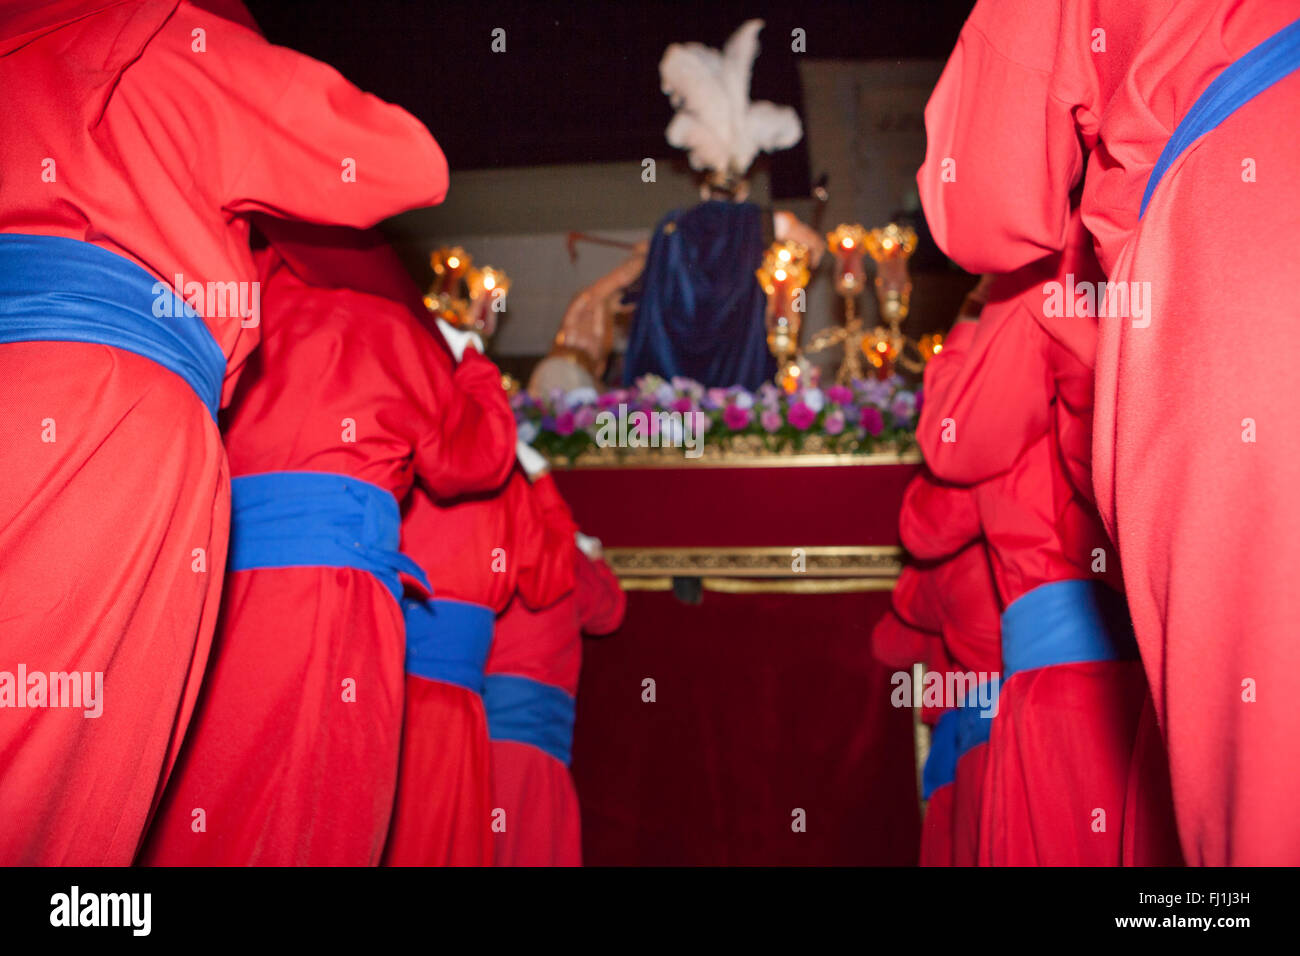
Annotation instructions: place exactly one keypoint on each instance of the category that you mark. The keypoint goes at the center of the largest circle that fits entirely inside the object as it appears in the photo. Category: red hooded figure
(1072, 690)
(951, 589)
(1172, 117)
(348, 402)
(478, 551)
(134, 137)
(528, 695)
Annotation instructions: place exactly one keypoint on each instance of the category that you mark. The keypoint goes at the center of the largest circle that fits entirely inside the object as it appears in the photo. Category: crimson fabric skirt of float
(114, 517)
(292, 758)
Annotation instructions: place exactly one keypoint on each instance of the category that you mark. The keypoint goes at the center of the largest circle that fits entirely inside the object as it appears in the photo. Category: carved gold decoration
(852, 561)
(768, 586)
(745, 451)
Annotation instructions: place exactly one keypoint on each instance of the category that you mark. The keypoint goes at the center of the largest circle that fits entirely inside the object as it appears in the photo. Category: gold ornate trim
(775, 562)
(770, 586)
(720, 458)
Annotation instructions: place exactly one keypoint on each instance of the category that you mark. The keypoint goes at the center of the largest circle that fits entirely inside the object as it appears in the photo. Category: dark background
(579, 81)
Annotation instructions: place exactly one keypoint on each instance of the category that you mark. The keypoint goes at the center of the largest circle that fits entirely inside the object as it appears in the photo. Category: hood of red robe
(104, 38)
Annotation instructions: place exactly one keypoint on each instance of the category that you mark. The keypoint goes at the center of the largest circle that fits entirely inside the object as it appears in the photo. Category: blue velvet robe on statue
(699, 308)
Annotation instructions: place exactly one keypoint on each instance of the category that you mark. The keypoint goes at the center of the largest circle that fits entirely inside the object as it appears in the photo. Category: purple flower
(876, 392)
(801, 416)
(737, 418)
(584, 417)
(840, 394)
(770, 420)
(834, 423)
(920, 400)
(872, 420)
(903, 407)
(564, 423)
(714, 398)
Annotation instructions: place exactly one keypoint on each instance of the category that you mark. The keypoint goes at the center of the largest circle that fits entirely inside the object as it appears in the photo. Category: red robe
(476, 549)
(1055, 794)
(535, 791)
(142, 145)
(1201, 507)
(290, 767)
(940, 523)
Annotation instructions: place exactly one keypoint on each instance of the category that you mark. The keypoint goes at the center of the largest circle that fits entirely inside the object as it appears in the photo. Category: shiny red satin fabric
(504, 541)
(292, 756)
(114, 100)
(1201, 513)
(309, 671)
(113, 536)
(442, 816)
(103, 101)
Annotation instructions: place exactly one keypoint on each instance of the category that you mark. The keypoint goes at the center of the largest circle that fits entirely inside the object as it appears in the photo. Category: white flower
(815, 399)
(581, 396)
(527, 431)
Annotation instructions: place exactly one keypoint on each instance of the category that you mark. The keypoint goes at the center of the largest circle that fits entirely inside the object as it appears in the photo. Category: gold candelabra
(784, 276)
(884, 346)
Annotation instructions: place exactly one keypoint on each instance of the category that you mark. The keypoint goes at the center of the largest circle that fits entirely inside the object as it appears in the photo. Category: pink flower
(872, 420)
(564, 423)
(840, 394)
(584, 417)
(770, 420)
(737, 418)
(801, 416)
(834, 423)
(681, 405)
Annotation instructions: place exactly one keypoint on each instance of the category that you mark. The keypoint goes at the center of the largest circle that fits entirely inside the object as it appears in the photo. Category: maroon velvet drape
(765, 703)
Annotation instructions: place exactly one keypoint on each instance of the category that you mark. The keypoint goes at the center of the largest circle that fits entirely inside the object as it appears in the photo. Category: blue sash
(54, 289)
(448, 641)
(941, 764)
(313, 519)
(1065, 622)
(1240, 82)
(530, 712)
(973, 724)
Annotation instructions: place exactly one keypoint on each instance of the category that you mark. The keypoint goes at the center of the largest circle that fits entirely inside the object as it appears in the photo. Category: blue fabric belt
(1240, 82)
(975, 721)
(941, 764)
(1065, 622)
(448, 641)
(54, 289)
(527, 711)
(314, 519)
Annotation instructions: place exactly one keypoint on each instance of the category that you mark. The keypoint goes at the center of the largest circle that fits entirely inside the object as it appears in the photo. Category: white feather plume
(716, 123)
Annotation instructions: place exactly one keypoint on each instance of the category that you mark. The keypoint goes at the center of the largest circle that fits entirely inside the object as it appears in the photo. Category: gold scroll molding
(712, 457)
(856, 561)
(768, 585)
